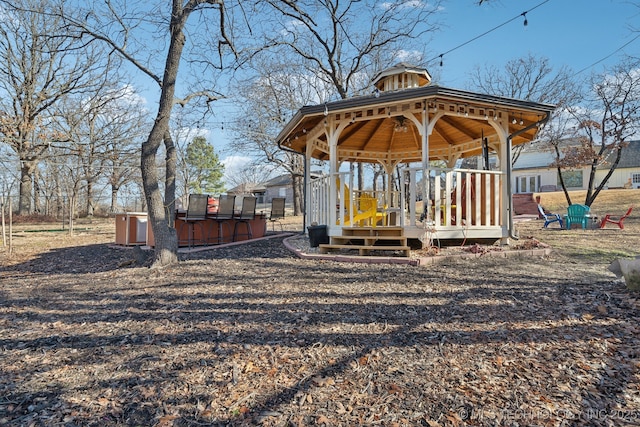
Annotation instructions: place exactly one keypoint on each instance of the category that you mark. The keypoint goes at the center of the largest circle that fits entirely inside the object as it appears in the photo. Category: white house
(532, 172)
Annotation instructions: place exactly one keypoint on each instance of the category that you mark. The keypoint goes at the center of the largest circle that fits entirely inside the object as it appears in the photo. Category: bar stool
(196, 215)
(247, 214)
(226, 206)
(277, 212)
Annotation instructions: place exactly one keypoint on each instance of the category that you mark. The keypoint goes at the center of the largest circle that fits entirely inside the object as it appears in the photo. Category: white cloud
(233, 166)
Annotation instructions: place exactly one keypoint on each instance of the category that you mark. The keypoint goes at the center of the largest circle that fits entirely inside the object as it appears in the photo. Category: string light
(524, 14)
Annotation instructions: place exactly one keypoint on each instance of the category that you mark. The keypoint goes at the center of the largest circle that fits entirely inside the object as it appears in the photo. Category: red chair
(607, 218)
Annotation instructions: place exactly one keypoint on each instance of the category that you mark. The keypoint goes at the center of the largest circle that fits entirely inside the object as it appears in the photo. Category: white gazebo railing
(463, 197)
(463, 203)
(318, 201)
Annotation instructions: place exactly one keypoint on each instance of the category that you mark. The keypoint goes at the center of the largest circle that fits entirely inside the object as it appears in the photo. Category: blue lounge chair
(549, 217)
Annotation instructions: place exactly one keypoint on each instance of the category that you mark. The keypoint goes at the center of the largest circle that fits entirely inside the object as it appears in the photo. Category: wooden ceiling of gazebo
(379, 127)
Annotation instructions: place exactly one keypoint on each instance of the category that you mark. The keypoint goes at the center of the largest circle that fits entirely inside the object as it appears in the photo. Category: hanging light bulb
(524, 15)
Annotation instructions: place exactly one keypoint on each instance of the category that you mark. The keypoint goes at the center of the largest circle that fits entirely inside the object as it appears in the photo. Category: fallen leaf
(322, 420)
(395, 389)
(167, 420)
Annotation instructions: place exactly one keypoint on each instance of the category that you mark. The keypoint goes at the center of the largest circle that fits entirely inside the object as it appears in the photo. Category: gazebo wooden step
(367, 239)
(373, 231)
(363, 249)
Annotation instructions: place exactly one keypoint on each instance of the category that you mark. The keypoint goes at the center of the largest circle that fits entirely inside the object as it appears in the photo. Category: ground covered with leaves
(253, 335)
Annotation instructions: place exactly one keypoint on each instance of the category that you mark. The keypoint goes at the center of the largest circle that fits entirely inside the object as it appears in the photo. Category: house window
(282, 192)
(635, 179)
(572, 179)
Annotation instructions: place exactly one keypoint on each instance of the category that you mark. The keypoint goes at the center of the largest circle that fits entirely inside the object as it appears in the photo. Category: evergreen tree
(205, 170)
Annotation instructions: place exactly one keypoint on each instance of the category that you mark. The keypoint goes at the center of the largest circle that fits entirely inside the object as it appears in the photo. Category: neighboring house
(282, 186)
(250, 189)
(532, 172)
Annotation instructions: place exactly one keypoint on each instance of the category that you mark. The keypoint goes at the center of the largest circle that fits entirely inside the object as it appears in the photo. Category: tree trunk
(171, 163)
(89, 198)
(564, 186)
(26, 188)
(590, 197)
(295, 180)
(162, 224)
(37, 207)
(114, 198)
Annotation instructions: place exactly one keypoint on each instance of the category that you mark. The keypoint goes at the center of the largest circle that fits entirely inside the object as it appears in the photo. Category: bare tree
(323, 49)
(605, 123)
(42, 64)
(104, 130)
(341, 41)
(276, 92)
(126, 125)
(246, 179)
(530, 78)
(117, 23)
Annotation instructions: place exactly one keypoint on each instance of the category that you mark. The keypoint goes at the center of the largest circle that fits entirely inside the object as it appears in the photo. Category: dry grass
(608, 201)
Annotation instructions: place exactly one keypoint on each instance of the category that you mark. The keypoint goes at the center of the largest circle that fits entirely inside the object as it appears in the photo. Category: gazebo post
(389, 167)
(502, 130)
(307, 183)
(334, 188)
(424, 131)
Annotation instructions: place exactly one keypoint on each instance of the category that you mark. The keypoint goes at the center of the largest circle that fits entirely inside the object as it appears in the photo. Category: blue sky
(573, 33)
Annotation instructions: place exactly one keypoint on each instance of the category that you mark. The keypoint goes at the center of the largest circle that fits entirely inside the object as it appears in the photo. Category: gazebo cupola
(401, 76)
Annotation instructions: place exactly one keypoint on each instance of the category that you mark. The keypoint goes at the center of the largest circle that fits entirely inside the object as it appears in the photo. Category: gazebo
(410, 123)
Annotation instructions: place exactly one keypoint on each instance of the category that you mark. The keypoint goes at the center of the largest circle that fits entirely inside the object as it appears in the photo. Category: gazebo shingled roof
(463, 120)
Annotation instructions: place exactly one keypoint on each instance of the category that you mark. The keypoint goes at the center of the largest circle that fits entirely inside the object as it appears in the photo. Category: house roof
(382, 127)
(278, 181)
(247, 188)
(630, 155)
(285, 179)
